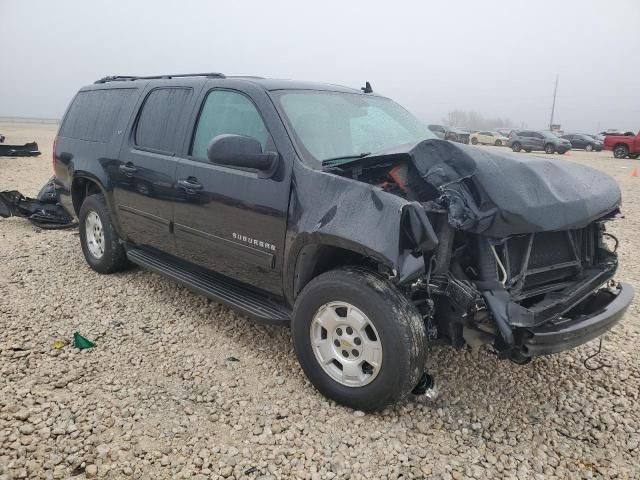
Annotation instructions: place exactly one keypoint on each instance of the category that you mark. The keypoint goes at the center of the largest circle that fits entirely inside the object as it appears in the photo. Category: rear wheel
(516, 147)
(100, 242)
(549, 148)
(620, 151)
(358, 339)
(474, 141)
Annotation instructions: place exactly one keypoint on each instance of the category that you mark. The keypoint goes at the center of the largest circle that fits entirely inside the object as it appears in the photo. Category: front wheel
(498, 143)
(516, 147)
(474, 141)
(621, 151)
(358, 339)
(549, 148)
(589, 148)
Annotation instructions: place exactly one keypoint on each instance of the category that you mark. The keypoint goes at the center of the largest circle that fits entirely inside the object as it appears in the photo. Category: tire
(100, 243)
(621, 151)
(498, 143)
(516, 147)
(549, 148)
(562, 152)
(528, 150)
(633, 156)
(589, 148)
(474, 141)
(395, 332)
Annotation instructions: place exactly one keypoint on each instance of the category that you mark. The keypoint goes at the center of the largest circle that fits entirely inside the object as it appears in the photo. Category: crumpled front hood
(501, 194)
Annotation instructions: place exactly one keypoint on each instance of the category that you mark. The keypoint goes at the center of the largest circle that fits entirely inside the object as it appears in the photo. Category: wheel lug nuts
(336, 343)
(357, 341)
(355, 352)
(339, 331)
(349, 330)
(345, 354)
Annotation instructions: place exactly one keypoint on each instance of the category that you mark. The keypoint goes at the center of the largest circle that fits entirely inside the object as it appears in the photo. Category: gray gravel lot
(162, 395)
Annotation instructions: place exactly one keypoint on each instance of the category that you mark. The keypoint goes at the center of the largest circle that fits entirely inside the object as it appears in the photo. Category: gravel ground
(179, 386)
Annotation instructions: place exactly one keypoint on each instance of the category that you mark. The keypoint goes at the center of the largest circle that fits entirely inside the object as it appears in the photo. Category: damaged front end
(520, 258)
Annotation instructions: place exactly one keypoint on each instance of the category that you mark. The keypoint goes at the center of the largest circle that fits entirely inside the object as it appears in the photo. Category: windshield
(335, 125)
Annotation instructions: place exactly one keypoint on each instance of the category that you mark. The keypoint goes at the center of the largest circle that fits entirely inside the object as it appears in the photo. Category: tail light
(55, 142)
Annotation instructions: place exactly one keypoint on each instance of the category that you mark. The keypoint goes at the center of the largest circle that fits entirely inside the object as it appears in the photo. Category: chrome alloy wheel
(346, 344)
(94, 235)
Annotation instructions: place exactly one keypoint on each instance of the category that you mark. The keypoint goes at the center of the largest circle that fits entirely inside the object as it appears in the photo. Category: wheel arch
(317, 258)
(85, 184)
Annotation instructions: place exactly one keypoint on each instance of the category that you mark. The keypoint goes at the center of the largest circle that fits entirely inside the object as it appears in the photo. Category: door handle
(128, 168)
(190, 184)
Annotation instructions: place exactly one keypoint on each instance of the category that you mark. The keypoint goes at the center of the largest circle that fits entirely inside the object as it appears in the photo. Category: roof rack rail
(125, 78)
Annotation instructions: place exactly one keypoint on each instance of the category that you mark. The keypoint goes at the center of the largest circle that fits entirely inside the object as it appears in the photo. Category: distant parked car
(505, 132)
(529, 140)
(582, 141)
(449, 133)
(623, 145)
(486, 137)
(596, 136)
(438, 130)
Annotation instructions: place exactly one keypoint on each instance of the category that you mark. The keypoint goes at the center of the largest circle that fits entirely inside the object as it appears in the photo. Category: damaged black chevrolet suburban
(337, 212)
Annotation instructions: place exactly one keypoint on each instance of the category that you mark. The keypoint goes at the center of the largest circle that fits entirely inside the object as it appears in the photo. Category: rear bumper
(606, 308)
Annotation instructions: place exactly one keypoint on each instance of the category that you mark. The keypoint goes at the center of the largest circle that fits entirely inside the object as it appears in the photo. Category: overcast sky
(497, 58)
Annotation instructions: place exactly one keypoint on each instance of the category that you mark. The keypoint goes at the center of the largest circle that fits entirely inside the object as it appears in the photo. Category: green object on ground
(81, 342)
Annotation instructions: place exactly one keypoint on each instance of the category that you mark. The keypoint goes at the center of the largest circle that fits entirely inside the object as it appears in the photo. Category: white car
(488, 138)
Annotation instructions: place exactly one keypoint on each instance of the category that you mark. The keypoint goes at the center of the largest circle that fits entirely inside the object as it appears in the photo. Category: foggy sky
(497, 58)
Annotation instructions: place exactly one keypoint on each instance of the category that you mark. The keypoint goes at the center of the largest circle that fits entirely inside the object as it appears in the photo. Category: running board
(216, 287)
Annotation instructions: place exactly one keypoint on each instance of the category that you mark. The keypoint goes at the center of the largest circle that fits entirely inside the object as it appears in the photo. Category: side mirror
(241, 151)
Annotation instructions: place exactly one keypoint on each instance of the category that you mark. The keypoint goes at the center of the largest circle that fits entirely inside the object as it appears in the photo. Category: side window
(159, 118)
(93, 114)
(523, 134)
(223, 112)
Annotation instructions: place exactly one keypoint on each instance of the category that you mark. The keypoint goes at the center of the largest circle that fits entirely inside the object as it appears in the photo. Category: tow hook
(426, 386)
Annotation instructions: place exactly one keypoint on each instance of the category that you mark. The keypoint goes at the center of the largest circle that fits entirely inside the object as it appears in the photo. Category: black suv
(529, 140)
(336, 212)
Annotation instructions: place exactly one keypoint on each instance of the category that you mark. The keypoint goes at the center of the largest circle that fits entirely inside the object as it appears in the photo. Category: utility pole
(553, 106)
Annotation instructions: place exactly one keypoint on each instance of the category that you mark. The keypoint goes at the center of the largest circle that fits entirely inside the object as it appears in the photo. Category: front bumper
(604, 311)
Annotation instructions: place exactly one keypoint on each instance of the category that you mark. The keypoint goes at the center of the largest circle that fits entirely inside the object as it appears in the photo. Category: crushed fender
(27, 150)
(44, 211)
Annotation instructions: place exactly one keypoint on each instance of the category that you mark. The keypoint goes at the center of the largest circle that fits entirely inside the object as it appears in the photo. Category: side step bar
(216, 287)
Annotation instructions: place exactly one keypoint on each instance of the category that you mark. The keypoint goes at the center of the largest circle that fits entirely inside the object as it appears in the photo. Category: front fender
(327, 209)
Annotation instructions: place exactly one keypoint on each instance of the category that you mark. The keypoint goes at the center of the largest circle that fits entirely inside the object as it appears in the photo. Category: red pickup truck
(623, 145)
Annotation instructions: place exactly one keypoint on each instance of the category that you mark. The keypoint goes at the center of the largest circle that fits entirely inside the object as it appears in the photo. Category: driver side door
(229, 220)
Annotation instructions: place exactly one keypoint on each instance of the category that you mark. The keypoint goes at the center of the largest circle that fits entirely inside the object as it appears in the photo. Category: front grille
(547, 258)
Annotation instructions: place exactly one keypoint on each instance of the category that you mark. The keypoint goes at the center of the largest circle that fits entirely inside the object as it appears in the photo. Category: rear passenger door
(231, 221)
(143, 178)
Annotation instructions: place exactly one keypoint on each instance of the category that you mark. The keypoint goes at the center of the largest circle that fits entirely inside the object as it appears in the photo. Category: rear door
(143, 177)
(230, 220)
(538, 141)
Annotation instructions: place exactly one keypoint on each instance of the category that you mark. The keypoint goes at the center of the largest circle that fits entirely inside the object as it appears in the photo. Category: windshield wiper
(332, 162)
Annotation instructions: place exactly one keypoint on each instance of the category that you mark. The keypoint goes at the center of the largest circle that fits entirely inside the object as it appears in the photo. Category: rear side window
(160, 117)
(93, 114)
(227, 112)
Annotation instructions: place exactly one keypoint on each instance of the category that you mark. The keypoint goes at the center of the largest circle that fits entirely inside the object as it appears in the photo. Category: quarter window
(160, 118)
(227, 112)
(93, 114)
